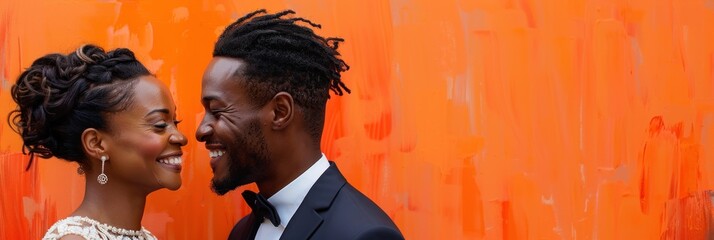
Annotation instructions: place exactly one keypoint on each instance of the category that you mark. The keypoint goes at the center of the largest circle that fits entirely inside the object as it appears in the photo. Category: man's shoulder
(380, 232)
(349, 199)
(351, 195)
(356, 216)
(344, 212)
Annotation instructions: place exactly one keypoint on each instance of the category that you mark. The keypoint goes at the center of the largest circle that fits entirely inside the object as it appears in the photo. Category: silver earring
(102, 178)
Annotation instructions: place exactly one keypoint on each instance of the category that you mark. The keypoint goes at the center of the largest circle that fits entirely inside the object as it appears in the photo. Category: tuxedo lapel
(303, 226)
(307, 218)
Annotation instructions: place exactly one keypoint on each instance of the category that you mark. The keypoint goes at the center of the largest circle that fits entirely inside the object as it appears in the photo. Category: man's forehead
(224, 67)
(221, 81)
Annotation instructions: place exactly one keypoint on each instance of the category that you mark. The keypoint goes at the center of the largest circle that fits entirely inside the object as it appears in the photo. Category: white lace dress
(91, 229)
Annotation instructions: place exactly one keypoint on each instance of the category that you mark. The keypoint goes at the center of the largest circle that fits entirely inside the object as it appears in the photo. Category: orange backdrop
(469, 119)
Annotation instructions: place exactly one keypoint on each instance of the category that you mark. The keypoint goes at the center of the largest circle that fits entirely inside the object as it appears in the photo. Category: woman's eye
(161, 125)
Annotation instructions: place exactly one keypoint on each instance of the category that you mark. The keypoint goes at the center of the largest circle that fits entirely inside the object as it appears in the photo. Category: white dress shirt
(288, 199)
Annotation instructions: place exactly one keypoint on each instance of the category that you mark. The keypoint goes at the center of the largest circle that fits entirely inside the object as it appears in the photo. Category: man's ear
(94, 143)
(283, 110)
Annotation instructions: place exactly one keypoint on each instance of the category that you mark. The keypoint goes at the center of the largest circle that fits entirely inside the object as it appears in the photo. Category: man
(264, 94)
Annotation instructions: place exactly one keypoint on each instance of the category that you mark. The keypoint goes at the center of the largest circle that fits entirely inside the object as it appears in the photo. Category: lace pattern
(91, 229)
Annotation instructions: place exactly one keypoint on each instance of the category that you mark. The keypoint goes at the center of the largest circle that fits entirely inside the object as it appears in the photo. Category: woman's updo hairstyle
(59, 96)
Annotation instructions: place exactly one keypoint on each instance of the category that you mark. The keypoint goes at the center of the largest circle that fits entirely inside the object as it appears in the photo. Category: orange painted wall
(480, 119)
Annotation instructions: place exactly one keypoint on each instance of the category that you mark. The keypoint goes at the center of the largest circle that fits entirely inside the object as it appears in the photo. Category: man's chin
(221, 187)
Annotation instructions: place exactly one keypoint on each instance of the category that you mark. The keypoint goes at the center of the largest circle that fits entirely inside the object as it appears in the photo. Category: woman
(106, 112)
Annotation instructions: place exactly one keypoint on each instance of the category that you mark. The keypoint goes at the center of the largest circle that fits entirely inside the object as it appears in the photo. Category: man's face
(231, 127)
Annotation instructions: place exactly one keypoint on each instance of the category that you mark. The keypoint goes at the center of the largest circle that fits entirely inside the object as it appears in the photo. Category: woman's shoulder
(71, 228)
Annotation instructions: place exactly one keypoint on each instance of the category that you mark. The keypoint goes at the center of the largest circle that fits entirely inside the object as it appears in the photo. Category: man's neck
(286, 172)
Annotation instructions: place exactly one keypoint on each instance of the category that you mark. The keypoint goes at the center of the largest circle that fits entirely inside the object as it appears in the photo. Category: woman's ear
(94, 143)
(283, 110)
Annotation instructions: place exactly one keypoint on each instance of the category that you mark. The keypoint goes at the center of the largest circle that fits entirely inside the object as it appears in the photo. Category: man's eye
(161, 125)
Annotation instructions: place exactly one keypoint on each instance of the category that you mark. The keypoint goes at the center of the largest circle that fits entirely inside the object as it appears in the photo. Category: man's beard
(254, 161)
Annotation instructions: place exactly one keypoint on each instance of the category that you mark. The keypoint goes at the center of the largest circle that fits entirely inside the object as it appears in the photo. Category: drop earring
(102, 178)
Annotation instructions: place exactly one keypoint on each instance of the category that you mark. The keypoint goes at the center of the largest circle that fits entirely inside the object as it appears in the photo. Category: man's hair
(283, 56)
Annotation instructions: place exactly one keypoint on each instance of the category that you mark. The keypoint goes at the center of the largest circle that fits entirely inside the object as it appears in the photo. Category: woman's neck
(113, 204)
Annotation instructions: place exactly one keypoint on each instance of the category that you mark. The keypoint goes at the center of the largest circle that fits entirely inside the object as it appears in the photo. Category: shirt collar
(288, 199)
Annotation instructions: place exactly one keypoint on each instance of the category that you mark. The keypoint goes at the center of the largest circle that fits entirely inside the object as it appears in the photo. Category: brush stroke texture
(492, 119)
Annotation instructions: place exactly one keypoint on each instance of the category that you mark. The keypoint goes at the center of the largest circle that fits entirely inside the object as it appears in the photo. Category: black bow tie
(261, 207)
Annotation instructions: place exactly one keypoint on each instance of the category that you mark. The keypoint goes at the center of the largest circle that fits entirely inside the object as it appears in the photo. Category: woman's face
(144, 143)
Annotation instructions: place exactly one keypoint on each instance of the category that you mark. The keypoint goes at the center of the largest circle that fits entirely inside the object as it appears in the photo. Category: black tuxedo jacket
(332, 209)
